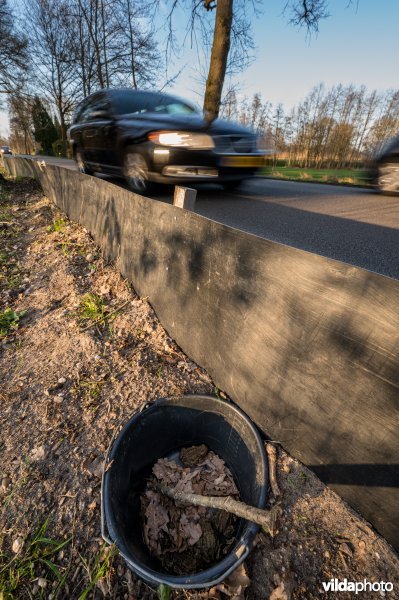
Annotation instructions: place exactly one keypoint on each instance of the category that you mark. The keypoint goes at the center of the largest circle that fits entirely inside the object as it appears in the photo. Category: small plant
(292, 481)
(99, 569)
(93, 388)
(19, 572)
(91, 308)
(14, 281)
(9, 320)
(5, 215)
(22, 481)
(57, 226)
(92, 392)
(163, 592)
(65, 249)
(304, 476)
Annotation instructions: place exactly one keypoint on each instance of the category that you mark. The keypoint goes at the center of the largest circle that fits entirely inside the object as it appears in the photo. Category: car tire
(388, 178)
(80, 163)
(135, 171)
(230, 186)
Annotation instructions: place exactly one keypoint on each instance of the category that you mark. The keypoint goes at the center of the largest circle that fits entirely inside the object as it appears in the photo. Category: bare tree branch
(307, 13)
(14, 55)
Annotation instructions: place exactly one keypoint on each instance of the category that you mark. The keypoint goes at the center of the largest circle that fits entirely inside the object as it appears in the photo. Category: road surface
(354, 225)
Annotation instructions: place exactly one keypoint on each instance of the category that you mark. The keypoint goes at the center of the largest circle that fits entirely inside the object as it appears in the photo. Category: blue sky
(357, 44)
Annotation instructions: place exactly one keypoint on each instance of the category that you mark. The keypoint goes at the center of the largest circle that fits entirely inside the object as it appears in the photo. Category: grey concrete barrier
(20, 167)
(307, 346)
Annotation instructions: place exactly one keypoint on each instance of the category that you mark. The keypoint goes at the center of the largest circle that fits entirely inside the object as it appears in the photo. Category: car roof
(130, 91)
(123, 92)
(117, 93)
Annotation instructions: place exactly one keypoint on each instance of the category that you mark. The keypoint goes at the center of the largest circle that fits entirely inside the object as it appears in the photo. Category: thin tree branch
(265, 518)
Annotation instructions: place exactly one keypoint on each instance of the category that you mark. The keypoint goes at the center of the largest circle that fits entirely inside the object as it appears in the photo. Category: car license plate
(242, 161)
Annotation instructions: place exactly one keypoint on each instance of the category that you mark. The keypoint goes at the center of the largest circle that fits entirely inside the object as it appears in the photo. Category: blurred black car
(385, 169)
(151, 138)
(5, 150)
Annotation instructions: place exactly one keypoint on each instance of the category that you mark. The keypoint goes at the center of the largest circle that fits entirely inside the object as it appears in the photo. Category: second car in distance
(385, 168)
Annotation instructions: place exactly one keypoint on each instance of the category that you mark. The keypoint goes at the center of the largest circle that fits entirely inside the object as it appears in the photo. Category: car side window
(144, 102)
(81, 113)
(93, 108)
(130, 103)
(79, 110)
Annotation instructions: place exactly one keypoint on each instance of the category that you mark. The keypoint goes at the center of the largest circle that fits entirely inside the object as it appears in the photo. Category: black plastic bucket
(158, 431)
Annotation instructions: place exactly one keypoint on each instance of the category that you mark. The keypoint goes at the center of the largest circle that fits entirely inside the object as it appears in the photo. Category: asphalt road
(354, 225)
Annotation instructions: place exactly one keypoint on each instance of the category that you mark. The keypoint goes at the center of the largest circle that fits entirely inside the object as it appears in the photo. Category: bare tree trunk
(97, 48)
(60, 107)
(82, 52)
(219, 55)
(93, 52)
(131, 41)
(104, 44)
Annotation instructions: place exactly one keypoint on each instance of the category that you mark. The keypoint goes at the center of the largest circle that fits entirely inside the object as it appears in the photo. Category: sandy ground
(70, 372)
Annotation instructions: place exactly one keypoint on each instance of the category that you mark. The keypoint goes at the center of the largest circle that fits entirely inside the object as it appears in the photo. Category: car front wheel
(388, 178)
(135, 170)
(80, 163)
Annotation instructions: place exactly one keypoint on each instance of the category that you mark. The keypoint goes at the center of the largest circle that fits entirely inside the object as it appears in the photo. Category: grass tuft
(34, 560)
(99, 570)
(9, 320)
(57, 226)
(163, 592)
(91, 308)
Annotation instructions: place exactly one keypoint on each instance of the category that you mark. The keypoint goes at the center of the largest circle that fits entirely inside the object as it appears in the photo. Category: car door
(78, 127)
(98, 135)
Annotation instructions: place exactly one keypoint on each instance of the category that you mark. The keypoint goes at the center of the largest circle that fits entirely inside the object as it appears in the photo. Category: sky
(358, 44)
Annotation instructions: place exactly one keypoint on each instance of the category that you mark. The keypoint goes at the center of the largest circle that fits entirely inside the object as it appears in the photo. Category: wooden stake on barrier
(184, 198)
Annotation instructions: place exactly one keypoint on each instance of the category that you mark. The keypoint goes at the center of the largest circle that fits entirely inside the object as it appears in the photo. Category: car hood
(154, 121)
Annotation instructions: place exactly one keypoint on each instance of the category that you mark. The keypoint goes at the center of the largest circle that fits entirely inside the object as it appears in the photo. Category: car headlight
(197, 141)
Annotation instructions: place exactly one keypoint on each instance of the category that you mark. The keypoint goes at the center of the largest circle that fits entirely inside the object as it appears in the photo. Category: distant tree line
(59, 51)
(332, 127)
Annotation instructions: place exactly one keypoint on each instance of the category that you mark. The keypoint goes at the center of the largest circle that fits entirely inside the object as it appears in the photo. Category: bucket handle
(104, 528)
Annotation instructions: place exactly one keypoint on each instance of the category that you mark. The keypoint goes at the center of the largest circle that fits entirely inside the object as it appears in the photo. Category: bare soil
(67, 381)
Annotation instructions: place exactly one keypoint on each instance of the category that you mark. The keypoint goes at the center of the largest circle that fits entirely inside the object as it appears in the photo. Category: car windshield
(143, 102)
